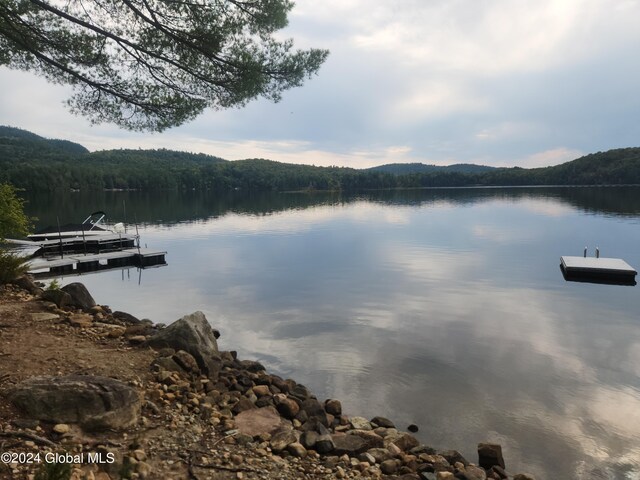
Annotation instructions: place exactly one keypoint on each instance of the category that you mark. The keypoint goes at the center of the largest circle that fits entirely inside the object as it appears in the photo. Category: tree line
(33, 163)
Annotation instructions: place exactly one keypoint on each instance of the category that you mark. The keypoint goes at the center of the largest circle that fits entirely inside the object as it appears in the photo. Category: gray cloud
(502, 83)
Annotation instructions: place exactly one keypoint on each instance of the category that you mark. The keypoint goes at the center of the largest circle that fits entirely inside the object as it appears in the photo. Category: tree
(12, 217)
(155, 64)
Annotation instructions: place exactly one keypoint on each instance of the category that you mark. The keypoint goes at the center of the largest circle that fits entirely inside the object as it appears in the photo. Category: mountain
(614, 167)
(15, 140)
(35, 163)
(408, 168)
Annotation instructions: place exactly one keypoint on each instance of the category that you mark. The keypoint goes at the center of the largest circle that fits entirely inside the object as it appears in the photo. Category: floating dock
(91, 262)
(79, 244)
(598, 270)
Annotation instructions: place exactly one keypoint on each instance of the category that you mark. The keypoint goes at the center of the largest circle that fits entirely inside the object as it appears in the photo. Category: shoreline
(194, 411)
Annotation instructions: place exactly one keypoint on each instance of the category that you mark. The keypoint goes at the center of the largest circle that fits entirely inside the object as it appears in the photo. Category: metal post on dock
(124, 210)
(60, 237)
(84, 241)
(135, 217)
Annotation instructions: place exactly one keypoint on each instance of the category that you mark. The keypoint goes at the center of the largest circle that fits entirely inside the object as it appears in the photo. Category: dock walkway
(139, 257)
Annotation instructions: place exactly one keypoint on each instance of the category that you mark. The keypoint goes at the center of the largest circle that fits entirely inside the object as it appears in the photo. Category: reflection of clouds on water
(544, 206)
(283, 222)
(413, 352)
(429, 315)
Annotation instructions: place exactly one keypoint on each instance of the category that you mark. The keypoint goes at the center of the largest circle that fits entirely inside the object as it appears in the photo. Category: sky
(492, 82)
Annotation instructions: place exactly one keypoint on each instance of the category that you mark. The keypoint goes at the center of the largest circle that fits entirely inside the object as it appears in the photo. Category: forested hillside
(406, 168)
(38, 164)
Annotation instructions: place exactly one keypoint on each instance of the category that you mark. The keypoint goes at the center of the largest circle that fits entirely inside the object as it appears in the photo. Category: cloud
(502, 83)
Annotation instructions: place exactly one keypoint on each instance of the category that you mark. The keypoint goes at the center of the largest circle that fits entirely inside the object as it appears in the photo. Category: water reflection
(441, 308)
(171, 207)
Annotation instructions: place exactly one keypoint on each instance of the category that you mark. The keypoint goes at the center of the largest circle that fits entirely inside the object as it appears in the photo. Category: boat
(87, 247)
(91, 226)
(90, 236)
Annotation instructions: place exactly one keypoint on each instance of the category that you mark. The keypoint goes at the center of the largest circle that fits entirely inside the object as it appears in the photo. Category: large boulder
(126, 317)
(351, 445)
(193, 334)
(80, 296)
(92, 402)
(489, 455)
(26, 282)
(259, 421)
(60, 298)
(404, 441)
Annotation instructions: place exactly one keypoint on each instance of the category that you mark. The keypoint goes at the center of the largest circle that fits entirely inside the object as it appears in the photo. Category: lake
(445, 308)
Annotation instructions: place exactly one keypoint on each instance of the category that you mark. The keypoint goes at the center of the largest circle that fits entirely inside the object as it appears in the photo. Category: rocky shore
(91, 393)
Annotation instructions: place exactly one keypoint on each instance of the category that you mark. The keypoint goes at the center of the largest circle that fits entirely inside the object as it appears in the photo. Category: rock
(382, 422)
(389, 467)
(140, 329)
(261, 390)
(137, 339)
(309, 438)
(125, 317)
(472, 472)
(44, 317)
(259, 421)
(243, 405)
(490, 454)
(372, 439)
(423, 449)
(81, 320)
(394, 449)
(404, 441)
(61, 428)
(59, 297)
(282, 439)
(360, 423)
(413, 428)
(453, 456)
(379, 454)
(80, 296)
(115, 331)
(313, 408)
(367, 457)
(444, 476)
(250, 365)
(139, 455)
(499, 472)
(91, 401)
(193, 334)
(287, 407)
(186, 361)
(297, 450)
(324, 444)
(427, 476)
(26, 282)
(166, 363)
(143, 469)
(523, 476)
(333, 407)
(351, 445)
(299, 391)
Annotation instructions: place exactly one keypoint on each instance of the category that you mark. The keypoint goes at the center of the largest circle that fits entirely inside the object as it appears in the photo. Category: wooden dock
(613, 270)
(78, 262)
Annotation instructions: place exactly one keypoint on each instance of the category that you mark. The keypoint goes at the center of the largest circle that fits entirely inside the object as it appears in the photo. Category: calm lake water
(443, 308)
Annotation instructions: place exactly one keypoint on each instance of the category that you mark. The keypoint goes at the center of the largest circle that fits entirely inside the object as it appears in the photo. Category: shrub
(12, 217)
(11, 266)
